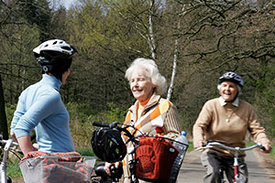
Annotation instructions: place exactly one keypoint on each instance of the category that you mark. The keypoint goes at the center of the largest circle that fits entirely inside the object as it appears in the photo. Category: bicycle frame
(3, 167)
(237, 150)
(132, 138)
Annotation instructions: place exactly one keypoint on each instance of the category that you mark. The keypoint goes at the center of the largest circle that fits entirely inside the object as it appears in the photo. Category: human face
(141, 85)
(228, 91)
(65, 75)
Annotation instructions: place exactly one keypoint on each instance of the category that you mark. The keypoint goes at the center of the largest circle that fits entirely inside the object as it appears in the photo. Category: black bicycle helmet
(108, 145)
(233, 77)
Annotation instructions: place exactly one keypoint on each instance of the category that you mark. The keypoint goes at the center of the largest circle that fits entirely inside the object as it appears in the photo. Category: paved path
(192, 170)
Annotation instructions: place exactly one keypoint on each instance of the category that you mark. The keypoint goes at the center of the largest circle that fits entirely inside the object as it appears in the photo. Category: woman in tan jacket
(227, 119)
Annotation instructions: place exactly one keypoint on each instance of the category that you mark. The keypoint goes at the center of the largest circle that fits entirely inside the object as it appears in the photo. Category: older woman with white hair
(151, 114)
(227, 119)
(147, 86)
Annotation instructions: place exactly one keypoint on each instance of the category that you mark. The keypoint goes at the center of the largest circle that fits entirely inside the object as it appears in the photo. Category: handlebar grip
(262, 148)
(112, 169)
(100, 124)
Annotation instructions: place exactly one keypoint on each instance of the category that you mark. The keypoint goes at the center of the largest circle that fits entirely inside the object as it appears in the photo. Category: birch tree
(175, 54)
(152, 42)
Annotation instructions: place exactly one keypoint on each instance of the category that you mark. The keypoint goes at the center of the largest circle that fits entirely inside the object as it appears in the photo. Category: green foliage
(37, 12)
(85, 151)
(9, 112)
(212, 38)
(113, 114)
(264, 99)
(272, 153)
(82, 117)
(82, 112)
(190, 147)
(14, 170)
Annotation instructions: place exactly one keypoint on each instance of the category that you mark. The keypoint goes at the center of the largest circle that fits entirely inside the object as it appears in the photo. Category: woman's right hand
(14, 137)
(107, 168)
(198, 144)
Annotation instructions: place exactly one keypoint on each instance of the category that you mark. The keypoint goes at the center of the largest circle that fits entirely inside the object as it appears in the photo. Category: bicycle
(237, 150)
(136, 140)
(34, 167)
(7, 146)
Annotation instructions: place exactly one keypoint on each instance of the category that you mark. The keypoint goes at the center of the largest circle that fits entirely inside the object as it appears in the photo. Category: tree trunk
(175, 58)
(152, 42)
(3, 119)
(170, 89)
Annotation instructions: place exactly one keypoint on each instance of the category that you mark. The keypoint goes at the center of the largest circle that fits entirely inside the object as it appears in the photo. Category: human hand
(107, 168)
(268, 148)
(14, 137)
(198, 144)
(35, 147)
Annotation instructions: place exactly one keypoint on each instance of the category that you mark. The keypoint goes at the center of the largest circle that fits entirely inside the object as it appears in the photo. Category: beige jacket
(227, 123)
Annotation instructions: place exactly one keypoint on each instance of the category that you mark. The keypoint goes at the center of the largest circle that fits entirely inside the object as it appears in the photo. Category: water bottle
(181, 143)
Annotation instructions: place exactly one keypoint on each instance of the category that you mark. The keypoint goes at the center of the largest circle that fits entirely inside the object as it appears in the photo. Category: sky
(66, 3)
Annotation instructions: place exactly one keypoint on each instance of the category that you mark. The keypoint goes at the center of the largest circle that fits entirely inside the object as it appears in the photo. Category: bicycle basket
(155, 157)
(49, 169)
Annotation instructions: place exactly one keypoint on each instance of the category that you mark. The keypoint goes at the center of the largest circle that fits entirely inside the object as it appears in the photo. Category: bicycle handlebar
(102, 124)
(210, 145)
(8, 143)
(115, 125)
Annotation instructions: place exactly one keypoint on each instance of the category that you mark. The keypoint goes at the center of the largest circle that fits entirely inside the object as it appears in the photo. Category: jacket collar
(234, 103)
(152, 102)
(51, 81)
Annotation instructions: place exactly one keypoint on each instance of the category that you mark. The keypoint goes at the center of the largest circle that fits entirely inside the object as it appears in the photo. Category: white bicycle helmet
(54, 56)
(233, 77)
(54, 48)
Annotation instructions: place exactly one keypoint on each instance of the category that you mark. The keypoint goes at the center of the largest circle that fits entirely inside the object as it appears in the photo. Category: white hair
(152, 72)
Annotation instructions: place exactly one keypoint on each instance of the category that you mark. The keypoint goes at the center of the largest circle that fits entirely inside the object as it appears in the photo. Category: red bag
(155, 156)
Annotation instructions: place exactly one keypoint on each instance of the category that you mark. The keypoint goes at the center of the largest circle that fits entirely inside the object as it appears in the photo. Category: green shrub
(82, 117)
(86, 151)
(9, 113)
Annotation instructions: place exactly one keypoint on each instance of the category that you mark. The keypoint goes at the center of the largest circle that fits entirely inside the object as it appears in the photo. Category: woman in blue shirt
(40, 106)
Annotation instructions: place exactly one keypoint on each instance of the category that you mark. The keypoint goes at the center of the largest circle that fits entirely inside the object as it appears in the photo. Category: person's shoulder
(245, 104)
(49, 92)
(213, 101)
(30, 89)
(164, 101)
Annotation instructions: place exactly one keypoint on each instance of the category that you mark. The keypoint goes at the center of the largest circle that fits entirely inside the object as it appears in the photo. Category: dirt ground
(266, 162)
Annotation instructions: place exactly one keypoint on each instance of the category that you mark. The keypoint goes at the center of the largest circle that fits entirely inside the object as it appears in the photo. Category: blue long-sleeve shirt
(40, 107)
